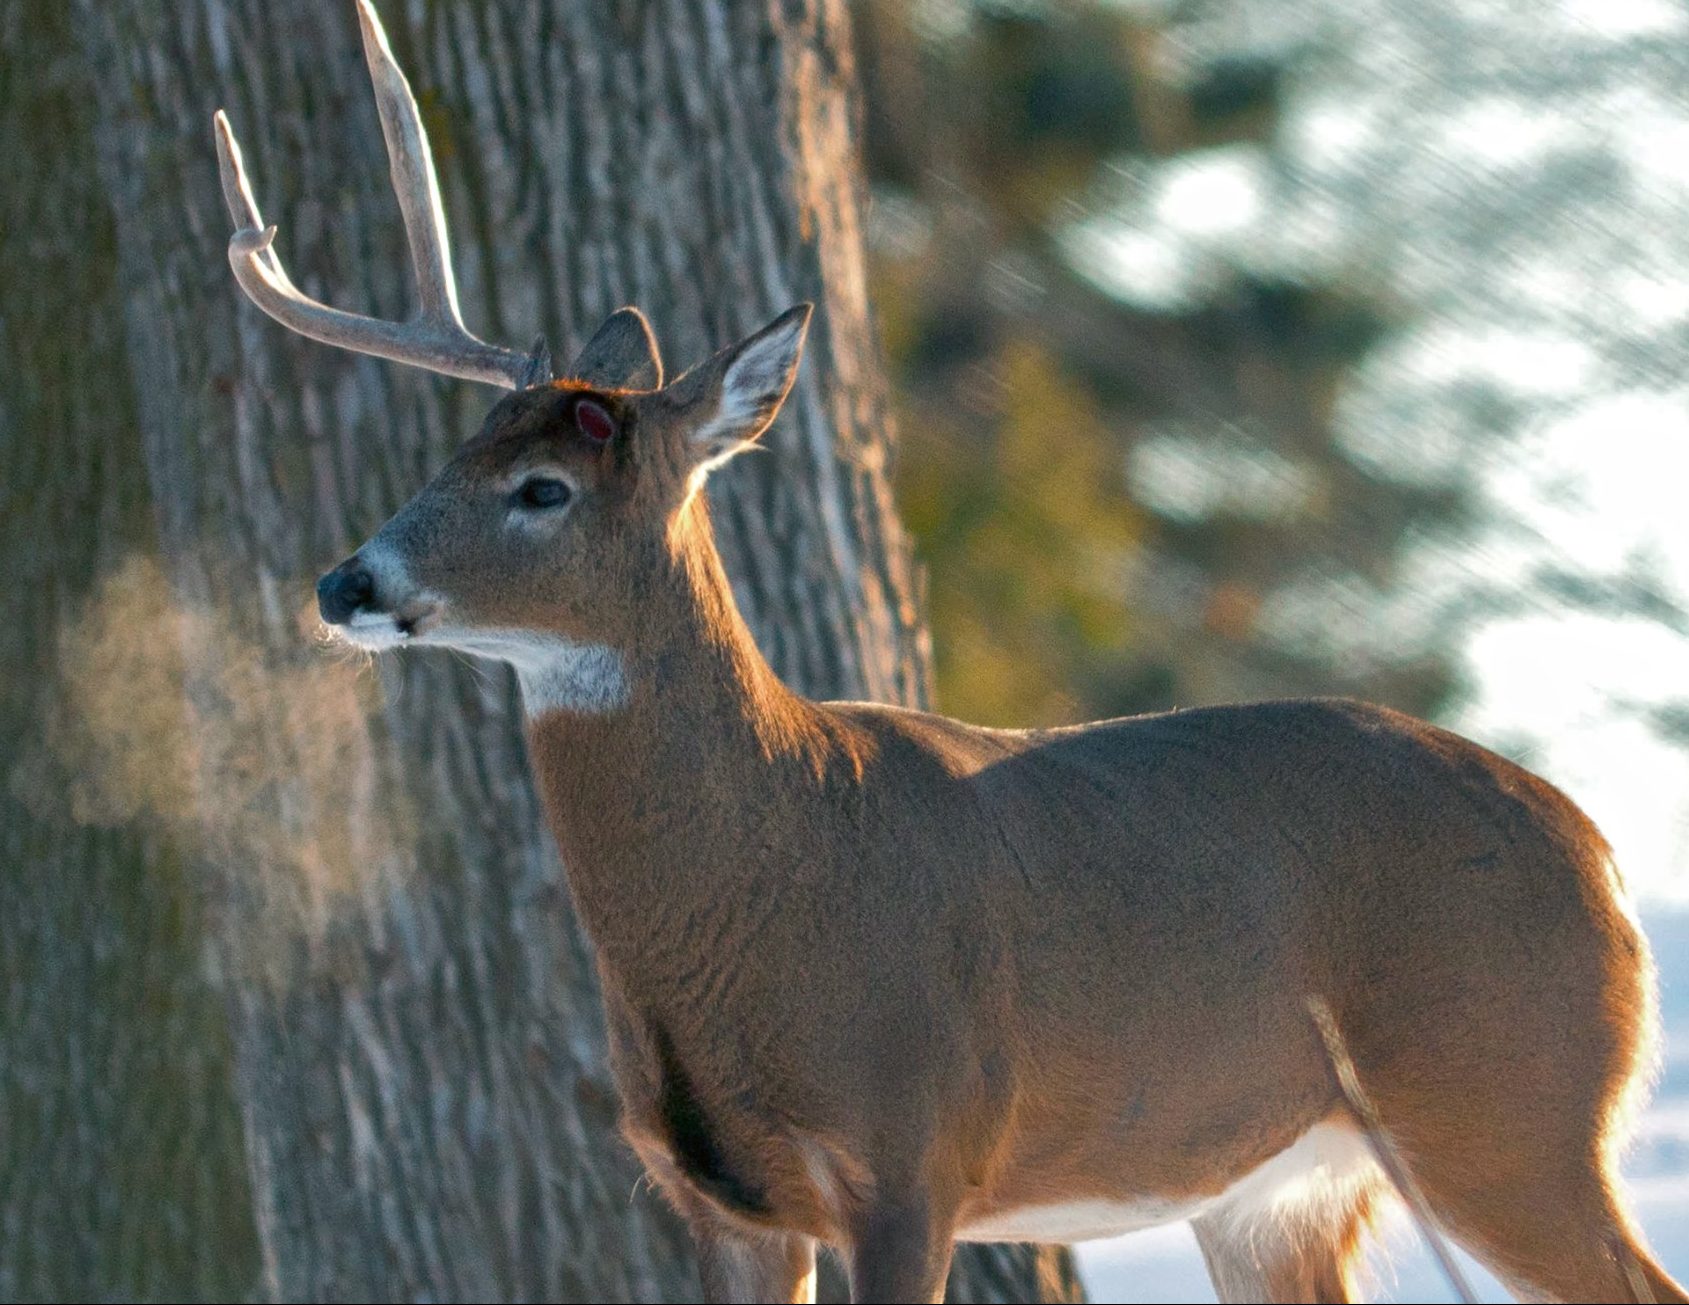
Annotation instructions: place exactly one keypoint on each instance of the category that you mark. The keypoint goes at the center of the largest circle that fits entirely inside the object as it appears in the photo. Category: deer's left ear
(622, 355)
(734, 396)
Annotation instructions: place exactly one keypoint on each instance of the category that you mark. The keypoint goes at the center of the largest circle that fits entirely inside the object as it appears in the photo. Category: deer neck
(644, 796)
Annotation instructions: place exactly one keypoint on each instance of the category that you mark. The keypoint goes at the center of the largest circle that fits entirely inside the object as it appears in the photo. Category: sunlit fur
(874, 978)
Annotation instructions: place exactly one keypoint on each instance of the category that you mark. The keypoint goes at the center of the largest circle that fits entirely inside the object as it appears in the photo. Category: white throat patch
(556, 674)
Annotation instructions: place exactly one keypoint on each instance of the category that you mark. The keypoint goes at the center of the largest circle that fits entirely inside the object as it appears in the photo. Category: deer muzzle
(345, 591)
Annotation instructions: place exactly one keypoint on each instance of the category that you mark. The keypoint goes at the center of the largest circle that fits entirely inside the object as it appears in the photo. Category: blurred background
(1246, 348)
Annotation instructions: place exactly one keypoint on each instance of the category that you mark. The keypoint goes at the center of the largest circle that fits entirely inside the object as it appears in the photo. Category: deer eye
(539, 492)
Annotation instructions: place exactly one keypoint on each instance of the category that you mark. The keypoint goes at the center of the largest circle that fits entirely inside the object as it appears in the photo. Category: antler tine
(436, 338)
(414, 179)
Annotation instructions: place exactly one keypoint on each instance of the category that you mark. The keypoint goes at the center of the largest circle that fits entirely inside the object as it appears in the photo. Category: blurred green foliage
(1033, 527)
(1122, 507)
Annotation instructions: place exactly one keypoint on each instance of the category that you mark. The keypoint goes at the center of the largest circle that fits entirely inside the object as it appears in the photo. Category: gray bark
(121, 1160)
(295, 1002)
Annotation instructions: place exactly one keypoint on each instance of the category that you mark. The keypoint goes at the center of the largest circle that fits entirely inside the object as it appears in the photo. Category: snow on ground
(1164, 1265)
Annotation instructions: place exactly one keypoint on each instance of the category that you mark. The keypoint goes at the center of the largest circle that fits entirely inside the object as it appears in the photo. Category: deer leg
(1518, 1163)
(1552, 1254)
(899, 1251)
(1520, 1171)
(759, 1267)
(1277, 1255)
(1554, 1232)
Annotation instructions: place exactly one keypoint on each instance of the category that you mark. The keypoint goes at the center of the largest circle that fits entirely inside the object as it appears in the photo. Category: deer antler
(436, 338)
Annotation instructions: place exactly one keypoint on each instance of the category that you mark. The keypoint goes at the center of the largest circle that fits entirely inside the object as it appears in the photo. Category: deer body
(1052, 980)
(880, 980)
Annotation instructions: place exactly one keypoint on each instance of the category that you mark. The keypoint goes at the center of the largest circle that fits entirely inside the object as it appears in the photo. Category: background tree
(295, 1001)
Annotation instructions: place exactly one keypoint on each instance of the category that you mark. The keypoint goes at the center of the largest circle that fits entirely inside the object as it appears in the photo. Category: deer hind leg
(1515, 1152)
(1552, 1230)
(1306, 1250)
(1517, 1162)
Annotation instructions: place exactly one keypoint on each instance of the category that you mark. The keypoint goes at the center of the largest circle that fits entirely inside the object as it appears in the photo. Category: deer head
(536, 542)
(533, 544)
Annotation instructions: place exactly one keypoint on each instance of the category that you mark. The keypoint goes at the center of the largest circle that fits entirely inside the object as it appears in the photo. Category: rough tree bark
(295, 1000)
(121, 1169)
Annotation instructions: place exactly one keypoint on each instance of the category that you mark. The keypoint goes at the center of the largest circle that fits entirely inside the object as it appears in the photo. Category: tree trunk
(121, 1163)
(352, 859)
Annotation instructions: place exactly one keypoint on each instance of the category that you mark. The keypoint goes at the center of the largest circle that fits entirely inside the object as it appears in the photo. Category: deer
(882, 982)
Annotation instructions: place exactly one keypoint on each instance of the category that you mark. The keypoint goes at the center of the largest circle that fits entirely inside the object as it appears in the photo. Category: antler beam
(436, 339)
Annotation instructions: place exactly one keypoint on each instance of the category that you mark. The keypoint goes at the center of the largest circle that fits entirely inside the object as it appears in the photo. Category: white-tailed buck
(883, 981)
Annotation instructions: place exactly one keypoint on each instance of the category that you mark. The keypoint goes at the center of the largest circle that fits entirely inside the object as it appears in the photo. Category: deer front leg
(900, 1251)
(753, 1267)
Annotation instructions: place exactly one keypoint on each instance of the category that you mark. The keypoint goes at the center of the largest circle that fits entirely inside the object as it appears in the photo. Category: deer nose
(344, 590)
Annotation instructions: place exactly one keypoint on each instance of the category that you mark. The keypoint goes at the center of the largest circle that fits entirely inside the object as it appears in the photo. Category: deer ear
(622, 355)
(735, 395)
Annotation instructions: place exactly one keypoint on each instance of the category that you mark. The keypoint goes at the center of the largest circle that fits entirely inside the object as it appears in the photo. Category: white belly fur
(1326, 1161)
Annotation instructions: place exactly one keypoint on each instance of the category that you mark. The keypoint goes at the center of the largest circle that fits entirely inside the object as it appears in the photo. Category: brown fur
(872, 974)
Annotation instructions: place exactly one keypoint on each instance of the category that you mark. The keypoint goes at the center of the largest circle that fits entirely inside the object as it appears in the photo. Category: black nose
(344, 590)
